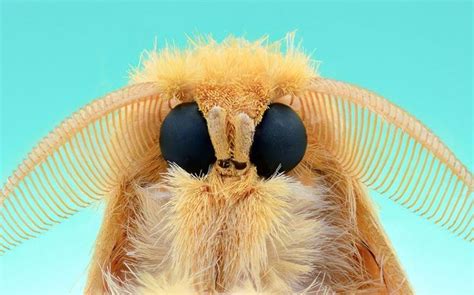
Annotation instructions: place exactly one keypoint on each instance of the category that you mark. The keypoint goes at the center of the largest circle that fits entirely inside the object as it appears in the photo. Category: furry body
(188, 235)
(231, 231)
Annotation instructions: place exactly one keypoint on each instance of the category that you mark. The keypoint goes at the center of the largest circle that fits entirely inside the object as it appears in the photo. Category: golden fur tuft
(232, 70)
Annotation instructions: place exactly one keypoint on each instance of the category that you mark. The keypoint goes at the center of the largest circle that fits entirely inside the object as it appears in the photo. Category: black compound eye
(279, 141)
(184, 139)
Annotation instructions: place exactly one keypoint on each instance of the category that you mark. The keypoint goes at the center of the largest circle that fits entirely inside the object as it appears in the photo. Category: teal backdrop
(58, 56)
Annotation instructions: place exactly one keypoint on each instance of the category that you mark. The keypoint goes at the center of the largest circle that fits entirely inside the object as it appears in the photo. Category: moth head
(227, 119)
(233, 141)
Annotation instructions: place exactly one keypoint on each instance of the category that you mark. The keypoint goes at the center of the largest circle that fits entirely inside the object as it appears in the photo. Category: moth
(232, 168)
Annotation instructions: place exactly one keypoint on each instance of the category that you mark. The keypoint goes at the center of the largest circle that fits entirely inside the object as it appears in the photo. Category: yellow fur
(235, 72)
(231, 231)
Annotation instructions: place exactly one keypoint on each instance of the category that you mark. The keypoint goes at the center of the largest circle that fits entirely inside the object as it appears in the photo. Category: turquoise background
(56, 57)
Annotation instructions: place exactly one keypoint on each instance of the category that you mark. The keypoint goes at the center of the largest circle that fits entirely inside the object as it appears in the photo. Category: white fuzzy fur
(295, 246)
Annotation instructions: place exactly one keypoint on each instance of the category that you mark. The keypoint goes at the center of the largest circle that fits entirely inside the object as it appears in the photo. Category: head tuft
(272, 69)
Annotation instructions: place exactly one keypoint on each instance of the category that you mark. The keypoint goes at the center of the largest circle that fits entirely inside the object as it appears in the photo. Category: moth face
(233, 139)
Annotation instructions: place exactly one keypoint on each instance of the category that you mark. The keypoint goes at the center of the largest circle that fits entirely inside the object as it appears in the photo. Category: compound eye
(184, 139)
(279, 142)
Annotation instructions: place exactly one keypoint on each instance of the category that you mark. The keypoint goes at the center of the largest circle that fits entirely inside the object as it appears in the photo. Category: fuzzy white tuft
(262, 236)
